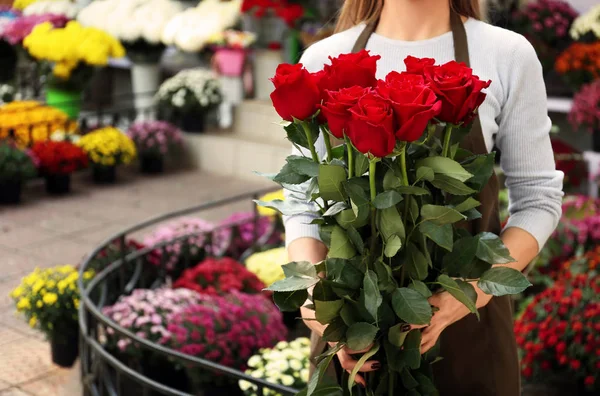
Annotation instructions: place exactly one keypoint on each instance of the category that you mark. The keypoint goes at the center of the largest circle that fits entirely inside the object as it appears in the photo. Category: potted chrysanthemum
(57, 161)
(154, 141)
(16, 167)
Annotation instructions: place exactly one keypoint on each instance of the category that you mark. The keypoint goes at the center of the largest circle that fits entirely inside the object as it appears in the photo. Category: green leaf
(288, 175)
(396, 336)
(296, 134)
(389, 223)
(468, 204)
(303, 166)
(319, 374)
(361, 335)
(445, 166)
(326, 311)
(416, 262)
(339, 151)
(373, 298)
(391, 181)
(386, 279)
(482, 168)
(411, 306)
(457, 292)
(335, 209)
(441, 215)
(331, 180)
(361, 362)
(361, 204)
(500, 281)
(413, 210)
(411, 352)
(300, 268)
(408, 380)
(387, 199)
(392, 246)
(412, 190)
(361, 163)
(425, 173)
(286, 208)
(421, 288)
(335, 331)
(346, 219)
(341, 247)
(356, 239)
(293, 283)
(441, 235)
(350, 314)
(472, 214)
(341, 271)
(290, 301)
(491, 249)
(426, 385)
(312, 191)
(451, 186)
(459, 260)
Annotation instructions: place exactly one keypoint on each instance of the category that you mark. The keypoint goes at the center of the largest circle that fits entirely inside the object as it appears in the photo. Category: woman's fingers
(348, 364)
(429, 337)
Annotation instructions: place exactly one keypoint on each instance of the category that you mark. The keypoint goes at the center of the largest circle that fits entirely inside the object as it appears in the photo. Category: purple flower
(155, 137)
(585, 112)
(15, 31)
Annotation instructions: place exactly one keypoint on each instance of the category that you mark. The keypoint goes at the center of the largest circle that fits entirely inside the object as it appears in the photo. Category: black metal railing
(103, 372)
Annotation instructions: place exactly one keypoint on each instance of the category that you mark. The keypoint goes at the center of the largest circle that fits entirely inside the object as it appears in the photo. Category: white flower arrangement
(190, 90)
(286, 364)
(587, 23)
(7, 93)
(131, 20)
(57, 7)
(192, 29)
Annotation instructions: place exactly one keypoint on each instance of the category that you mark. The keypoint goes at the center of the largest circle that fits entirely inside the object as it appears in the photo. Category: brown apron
(479, 357)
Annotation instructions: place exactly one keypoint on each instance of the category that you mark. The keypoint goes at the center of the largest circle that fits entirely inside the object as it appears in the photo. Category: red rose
(416, 65)
(371, 127)
(414, 104)
(290, 13)
(296, 94)
(458, 89)
(589, 380)
(336, 108)
(348, 70)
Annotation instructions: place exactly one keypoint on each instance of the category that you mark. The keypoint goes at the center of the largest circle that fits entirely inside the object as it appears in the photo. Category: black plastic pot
(58, 184)
(152, 164)
(64, 346)
(192, 122)
(10, 192)
(104, 174)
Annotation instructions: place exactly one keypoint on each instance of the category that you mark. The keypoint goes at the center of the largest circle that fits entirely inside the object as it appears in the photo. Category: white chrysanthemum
(296, 365)
(282, 345)
(255, 361)
(287, 380)
(57, 7)
(245, 385)
(586, 23)
(304, 375)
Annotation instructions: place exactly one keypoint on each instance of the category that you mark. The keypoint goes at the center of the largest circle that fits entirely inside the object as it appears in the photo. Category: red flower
(335, 109)
(575, 364)
(59, 158)
(290, 13)
(458, 89)
(296, 94)
(589, 380)
(527, 372)
(348, 70)
(416, 65)
(371, 128)
(414, 104)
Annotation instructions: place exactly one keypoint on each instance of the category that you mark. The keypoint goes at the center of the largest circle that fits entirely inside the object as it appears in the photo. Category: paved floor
(46, 231)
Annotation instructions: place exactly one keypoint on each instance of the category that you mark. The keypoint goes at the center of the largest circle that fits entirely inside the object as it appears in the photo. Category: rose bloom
(296, 95)
(336, 109)
(371, 127)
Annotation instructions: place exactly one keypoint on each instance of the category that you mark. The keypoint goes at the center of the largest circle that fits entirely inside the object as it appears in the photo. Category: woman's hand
(450, 310)
(348, 362)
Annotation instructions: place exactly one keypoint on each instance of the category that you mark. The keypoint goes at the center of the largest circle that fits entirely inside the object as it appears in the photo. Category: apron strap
(363, 39)
(459, 35)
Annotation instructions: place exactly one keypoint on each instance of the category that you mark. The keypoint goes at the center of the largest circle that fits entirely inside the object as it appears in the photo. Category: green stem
(406, 200)
(311, 144)
(373, 188)
(350, 157)
(447, 136)
(403, 166)
(390, 391)
(327, 138)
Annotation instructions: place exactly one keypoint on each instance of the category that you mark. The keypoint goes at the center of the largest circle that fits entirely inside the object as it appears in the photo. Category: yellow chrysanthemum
(108, 147)
(50, 298)
(32, 322)
(87, 275)
(39, 304)
(23, 303)
(17, 292)
(267, 265)
(270, 197)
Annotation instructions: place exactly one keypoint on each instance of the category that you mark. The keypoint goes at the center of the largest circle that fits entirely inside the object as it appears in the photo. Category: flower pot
(152, 164)
(10, 191)
(145, 78)
(64, 346)
(265, 65)
(192, 122)
(104, 174)
(68, 101)
(58, 184)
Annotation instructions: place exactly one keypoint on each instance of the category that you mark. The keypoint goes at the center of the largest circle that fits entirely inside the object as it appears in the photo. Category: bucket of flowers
(578, 64)
(107, 148)
(57, 161)
(154, 141)
(584, 113)
(188, 97)
(16, 167)
(49, 301)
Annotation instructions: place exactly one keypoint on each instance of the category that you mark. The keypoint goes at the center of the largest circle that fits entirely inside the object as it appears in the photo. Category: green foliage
(15, 164)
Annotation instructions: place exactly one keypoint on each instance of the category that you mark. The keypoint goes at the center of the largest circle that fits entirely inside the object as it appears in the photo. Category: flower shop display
(578, 64)
(219, 276)
(237, 233)
(559, 337)
(192, 242)
(227, 330)
(585, 112)
(586, 27)
(27, 122)
(56, 7)
(267, 265)
(571, 161)
(57, 161)
(154, 141)
(139, 24)
(285, 364)
(70, 53)
(16, 167)
(107, 148)
(188, 96)
(184, 31)
(392, 236)
(49, 300)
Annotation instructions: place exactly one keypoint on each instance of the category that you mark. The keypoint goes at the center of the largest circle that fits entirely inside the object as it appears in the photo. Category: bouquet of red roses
(389, 199)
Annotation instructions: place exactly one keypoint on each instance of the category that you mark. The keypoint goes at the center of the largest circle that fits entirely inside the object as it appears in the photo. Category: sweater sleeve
(534, 184)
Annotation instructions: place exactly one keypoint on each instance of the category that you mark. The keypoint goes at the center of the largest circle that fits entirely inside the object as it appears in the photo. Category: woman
(480, 357)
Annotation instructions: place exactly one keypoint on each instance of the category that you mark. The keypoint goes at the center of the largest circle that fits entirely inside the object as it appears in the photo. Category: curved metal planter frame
(102, 372)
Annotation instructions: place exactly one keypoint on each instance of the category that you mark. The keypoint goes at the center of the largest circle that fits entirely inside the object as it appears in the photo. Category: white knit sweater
(514, 113)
